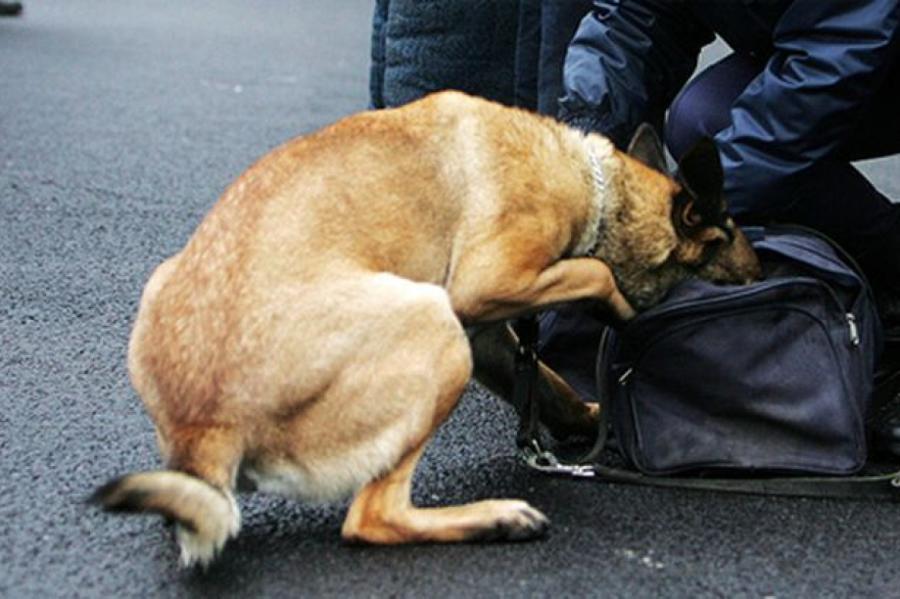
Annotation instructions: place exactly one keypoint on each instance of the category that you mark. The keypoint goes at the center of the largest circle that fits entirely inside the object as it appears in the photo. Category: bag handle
(842, 253)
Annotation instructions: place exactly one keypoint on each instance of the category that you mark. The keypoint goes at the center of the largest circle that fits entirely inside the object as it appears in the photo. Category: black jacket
(824, 60)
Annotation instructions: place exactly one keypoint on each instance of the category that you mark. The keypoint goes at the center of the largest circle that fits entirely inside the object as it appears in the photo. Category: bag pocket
(763, 377)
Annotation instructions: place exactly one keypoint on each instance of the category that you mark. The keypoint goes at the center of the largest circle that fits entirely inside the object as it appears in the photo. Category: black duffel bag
(762, 386)
(776, 375)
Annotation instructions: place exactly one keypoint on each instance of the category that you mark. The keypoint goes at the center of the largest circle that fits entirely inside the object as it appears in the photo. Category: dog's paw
(512, 520)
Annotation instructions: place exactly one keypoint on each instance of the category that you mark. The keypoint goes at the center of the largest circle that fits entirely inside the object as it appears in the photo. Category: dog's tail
(205, 516)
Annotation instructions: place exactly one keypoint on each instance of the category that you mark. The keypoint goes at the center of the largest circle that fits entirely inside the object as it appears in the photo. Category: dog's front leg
(564, 413)
(564, 281)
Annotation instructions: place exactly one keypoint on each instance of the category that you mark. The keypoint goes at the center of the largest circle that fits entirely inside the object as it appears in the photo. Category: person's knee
(689, 120)
(703, 108)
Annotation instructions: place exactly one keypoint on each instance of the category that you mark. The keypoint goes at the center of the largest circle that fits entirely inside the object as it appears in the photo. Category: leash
(528, 436)
(524, 381)
(881, 487)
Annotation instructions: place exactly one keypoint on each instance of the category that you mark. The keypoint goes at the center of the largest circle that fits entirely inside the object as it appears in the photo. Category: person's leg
(528, 47)
(432, 45)
(10, 9)
(870, 225)
(838, 200)
(703, 107)
(878, 132)
(559, 20)
(376, 69)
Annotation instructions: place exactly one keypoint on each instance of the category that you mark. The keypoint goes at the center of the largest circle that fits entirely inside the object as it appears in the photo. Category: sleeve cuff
(590, 122)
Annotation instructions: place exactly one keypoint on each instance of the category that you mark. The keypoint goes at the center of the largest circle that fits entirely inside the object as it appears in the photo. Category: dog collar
(596, 225)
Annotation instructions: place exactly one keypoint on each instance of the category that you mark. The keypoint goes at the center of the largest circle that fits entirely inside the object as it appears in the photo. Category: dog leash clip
(545, 461)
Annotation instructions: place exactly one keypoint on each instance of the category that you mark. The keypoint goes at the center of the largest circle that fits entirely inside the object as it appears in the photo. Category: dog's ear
(646, 147)
(700, 172)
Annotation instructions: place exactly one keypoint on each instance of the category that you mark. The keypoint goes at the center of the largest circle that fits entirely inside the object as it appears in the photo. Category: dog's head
(708, 244)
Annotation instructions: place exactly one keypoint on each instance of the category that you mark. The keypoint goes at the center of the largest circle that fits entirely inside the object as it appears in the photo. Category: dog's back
(416, 192)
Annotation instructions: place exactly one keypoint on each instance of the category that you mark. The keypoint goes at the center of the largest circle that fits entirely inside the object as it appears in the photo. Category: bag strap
(875, 487)
(882, 487)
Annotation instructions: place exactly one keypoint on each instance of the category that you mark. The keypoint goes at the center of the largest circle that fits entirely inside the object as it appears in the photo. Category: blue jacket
(823, 60)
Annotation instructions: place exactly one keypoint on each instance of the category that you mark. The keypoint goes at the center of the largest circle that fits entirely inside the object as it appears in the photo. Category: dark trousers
(510, 51)
(423, 46)
(545, 29)
(832, 196)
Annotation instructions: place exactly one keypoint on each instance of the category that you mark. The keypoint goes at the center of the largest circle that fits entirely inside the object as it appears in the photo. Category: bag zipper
(854, 330)
(841, 253)
(705, 306)
(815, 252)
(838, 249)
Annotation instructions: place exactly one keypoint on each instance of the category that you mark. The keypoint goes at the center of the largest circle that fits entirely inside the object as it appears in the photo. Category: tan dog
(309, 338)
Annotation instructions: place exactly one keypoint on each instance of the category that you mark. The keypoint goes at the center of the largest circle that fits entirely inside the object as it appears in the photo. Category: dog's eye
(728, 229)
(716, 244)
(712, 247)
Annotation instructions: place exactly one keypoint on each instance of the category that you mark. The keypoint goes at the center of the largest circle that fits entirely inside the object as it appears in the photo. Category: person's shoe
(10, 9)
(884, 423)
(886, 292)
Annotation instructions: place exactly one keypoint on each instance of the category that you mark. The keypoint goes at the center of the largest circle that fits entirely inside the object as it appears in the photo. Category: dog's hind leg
(382, 512)
(438, 358)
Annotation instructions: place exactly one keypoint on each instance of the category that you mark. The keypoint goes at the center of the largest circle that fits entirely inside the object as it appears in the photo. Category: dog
(310, 337)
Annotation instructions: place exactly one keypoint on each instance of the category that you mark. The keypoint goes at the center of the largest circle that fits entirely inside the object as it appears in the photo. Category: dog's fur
(309, 338)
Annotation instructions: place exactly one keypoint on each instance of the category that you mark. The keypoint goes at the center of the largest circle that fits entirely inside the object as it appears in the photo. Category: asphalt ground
(120, 124)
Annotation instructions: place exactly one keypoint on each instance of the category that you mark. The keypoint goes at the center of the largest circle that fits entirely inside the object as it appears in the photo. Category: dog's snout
(755, 275)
